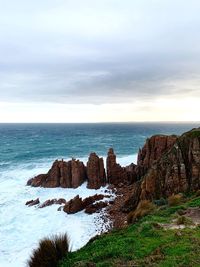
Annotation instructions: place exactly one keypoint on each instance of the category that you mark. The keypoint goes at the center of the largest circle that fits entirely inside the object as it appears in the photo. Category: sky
(99, 60)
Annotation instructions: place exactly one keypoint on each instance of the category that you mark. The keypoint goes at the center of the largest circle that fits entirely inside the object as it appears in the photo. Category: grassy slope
(143, 244)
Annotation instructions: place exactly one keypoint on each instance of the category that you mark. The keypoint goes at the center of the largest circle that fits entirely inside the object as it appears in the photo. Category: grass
(143, 243)
(49, 252)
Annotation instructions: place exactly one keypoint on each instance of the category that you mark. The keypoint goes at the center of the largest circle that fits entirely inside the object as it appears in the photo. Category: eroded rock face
(117, 174)
(64, 174)
(177, 171)
(152, 151)
(95, 172)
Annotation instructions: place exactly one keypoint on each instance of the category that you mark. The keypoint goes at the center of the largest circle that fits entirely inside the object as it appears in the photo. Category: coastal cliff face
(176, 171)
(152, 151)
(167, 165)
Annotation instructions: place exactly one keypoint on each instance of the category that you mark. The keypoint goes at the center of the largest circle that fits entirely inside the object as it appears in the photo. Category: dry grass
(183, 220)
(49, 252)
(145, 207)
(175, 200)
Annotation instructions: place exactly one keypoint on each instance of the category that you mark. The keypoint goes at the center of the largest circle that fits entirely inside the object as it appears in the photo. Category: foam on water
(21, 227)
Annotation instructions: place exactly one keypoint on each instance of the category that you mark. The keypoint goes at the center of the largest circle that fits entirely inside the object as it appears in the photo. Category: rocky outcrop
(64, 174)
(50, 202)
(117, 174)
(152, 151)
(77, 204)
(32, 202)
(178, 170)
(95, 208)
(74, 205)
(95, 172)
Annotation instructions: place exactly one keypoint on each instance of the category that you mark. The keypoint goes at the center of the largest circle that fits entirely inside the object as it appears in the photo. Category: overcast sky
(99, 60)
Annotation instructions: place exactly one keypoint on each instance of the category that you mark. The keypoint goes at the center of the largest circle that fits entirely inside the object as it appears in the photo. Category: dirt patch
(190, 214)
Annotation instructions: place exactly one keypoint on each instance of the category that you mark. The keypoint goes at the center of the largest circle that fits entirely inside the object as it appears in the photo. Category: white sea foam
(21, 227)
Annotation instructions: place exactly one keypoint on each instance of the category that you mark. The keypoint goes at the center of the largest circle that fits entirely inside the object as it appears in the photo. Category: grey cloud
(99, 51)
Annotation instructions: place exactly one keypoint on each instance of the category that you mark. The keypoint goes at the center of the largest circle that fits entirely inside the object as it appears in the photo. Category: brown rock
(74, 205)
(64, 174)
(152, 151)
(32, 202)
(89, 200)
(50, 202)
(97, 207)
(78, 172)
(117, 174)
(95, 172)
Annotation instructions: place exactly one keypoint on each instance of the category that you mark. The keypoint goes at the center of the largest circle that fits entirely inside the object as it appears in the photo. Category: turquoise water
(29, 142)
(29, 149)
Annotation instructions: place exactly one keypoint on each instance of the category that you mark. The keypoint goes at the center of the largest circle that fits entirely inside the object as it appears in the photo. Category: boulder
(74, 205)
(95, 172)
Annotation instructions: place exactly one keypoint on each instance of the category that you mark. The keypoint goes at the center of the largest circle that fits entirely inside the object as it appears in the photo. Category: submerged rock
(33, 202)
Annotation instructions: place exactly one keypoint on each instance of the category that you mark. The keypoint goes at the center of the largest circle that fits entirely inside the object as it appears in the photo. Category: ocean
(29, 149)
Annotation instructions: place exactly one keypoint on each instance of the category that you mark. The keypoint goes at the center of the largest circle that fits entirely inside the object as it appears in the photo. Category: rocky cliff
(169, 168)
(73, 173)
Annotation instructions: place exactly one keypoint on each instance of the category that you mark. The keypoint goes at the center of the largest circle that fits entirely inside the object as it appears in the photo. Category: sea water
(29, 149)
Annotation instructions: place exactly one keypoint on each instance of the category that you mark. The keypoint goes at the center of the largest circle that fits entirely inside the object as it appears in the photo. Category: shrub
(175, 200)
(145, 207)
(49, 252)
(184, 220)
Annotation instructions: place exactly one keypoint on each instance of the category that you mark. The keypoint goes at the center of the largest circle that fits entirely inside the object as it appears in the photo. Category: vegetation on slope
(145, 243)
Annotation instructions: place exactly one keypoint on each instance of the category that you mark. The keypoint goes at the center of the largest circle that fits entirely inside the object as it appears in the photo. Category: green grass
(143, 244)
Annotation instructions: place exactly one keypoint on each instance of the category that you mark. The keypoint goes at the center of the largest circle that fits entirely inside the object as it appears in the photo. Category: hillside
(148, 242)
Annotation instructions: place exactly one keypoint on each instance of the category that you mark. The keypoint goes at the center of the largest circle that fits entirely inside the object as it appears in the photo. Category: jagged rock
(50, 202)
(64, 174)
(33, 202)
(95, 172)
(97, 207)
(152, 151)
(117, 174)
(74, 205)
(178, 170)
(131, 202)
(78, 171)
(89, 200)
(77, 204)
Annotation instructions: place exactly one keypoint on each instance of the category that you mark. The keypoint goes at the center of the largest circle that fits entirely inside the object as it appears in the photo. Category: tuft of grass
(49, 252)
(175, 200)
(183, 220)
(145, 207)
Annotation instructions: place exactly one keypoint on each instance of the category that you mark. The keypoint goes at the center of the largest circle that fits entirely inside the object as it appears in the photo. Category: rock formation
(117, 174)
(153, 149)
(95, 172)
(77, 204)
(172, 167)
(64, 174)
(176, 171)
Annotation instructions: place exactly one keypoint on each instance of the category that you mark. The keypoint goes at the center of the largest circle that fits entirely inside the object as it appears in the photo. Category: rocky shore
(166, 165)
